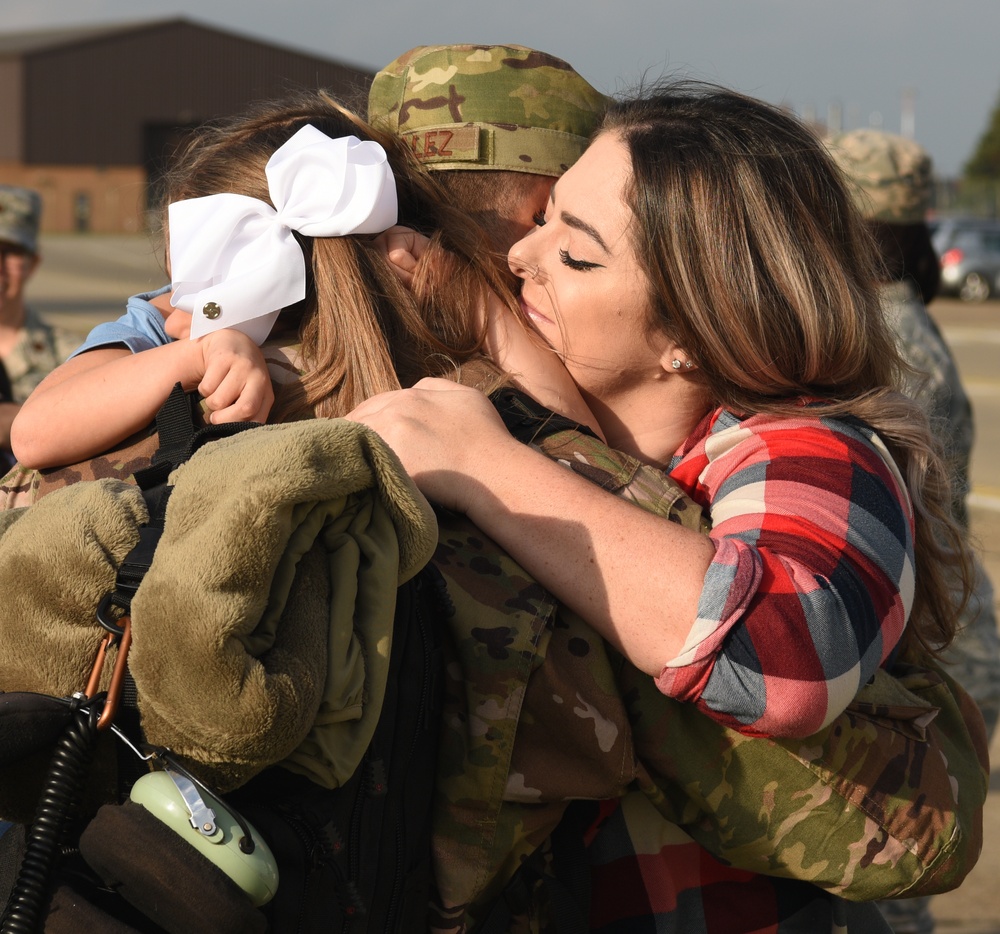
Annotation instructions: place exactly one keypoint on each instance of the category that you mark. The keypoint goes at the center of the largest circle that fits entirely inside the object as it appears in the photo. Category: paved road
(85, 279)
(974, 335)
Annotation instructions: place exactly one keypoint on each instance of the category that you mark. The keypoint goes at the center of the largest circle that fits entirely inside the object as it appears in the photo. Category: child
(348, 327)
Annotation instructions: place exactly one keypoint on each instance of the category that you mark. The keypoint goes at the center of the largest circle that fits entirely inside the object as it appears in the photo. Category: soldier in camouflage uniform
(29, 348)
(539, 711)
(892, 179)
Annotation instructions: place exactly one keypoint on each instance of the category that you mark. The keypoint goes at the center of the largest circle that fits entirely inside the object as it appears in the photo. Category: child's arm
(99, 398)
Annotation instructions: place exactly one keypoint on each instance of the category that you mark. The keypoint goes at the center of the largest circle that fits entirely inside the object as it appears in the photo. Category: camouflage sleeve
(24, 486)
(625, 476)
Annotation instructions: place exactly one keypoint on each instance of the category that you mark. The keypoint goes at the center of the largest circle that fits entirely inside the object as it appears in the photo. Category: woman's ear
(675, 359)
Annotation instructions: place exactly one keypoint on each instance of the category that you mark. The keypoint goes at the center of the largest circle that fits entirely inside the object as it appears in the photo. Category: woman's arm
(602, 556)
(771, 625)
(813, 579)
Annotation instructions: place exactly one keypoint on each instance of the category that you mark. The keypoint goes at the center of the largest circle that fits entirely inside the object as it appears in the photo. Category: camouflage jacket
(540, 698)
(39, 350)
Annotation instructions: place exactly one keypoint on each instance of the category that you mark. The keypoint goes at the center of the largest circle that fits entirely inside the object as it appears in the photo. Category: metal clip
(200, 815)
(104, 615)
(122, 635)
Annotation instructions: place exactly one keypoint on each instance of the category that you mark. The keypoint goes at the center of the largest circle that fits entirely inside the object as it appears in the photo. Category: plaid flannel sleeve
(812, 580)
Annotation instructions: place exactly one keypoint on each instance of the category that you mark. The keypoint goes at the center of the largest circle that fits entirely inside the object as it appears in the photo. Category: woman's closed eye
(578, 264)
(538, 218)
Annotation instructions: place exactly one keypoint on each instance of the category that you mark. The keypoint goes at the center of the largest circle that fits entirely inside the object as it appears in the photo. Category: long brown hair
(761, 269)
(361, 331)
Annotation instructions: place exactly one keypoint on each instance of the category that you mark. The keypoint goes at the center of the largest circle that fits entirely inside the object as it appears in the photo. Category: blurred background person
(29, 347)
(891, 176)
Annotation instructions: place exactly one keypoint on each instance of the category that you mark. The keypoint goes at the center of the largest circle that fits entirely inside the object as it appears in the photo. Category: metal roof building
(88, 115)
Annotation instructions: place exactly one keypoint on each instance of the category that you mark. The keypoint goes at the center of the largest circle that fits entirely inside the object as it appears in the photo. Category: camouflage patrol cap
(487, 107)
(20, 213)
(891, 174)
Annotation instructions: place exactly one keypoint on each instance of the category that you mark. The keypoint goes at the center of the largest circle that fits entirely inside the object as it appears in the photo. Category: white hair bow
(233, 259)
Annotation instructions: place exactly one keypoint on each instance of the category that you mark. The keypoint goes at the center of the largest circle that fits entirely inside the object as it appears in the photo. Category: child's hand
(403, 248)
(236, 385)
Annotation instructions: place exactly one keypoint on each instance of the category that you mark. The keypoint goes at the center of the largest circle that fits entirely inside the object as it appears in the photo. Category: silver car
(969, 250)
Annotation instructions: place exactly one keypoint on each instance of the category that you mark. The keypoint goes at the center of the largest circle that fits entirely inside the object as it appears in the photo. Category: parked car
(969, 250)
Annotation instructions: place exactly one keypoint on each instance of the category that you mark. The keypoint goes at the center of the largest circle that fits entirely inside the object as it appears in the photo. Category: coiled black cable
(61, 793)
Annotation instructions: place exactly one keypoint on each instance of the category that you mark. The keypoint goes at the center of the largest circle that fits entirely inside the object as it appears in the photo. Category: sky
(859, 59)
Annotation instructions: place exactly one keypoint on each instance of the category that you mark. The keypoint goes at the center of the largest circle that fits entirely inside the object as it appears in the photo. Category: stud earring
(675, 363)
(688, 365)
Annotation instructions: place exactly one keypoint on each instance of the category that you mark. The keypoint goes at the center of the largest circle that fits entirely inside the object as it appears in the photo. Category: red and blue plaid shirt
(813, 576)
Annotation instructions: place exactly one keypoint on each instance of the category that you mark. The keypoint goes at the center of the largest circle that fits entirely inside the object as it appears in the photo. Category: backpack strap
(528, 420)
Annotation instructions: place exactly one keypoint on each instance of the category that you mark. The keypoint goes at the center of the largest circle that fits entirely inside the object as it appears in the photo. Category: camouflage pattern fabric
(890, 176)
(836, 810)
(40, 348)
(649, 877)
(486, 107)
(20, 216)
(973, 659)
(903, 743)
(24, 486)
(499, 799)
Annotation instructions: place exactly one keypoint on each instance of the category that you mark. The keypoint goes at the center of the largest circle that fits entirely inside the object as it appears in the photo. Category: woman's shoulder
(807, 434)
(807, 423)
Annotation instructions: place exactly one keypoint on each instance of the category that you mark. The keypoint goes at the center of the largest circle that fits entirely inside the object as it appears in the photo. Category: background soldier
(29, 348)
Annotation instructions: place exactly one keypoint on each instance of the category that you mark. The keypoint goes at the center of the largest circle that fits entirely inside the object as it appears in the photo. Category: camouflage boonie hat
(487, 107)
(20, 213)
(891, 175)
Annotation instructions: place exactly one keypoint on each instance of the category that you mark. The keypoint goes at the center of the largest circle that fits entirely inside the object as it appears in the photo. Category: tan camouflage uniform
(38, 351)
(538, 711)
(40, 347)
(892, 177)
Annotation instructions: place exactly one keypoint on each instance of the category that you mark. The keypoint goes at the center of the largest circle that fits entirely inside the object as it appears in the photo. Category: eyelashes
(578, 264)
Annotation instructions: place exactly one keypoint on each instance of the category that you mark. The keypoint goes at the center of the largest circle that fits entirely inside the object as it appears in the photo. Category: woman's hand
(618, 566)
(445, 435)
(236, 385)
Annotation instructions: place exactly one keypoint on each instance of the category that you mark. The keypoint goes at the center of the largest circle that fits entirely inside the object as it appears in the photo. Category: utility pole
(908, 113)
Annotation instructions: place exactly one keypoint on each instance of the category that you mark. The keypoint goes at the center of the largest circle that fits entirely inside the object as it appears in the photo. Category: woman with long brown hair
(704, 277)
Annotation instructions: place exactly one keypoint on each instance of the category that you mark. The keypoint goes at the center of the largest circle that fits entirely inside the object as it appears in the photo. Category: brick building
(89, 116)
